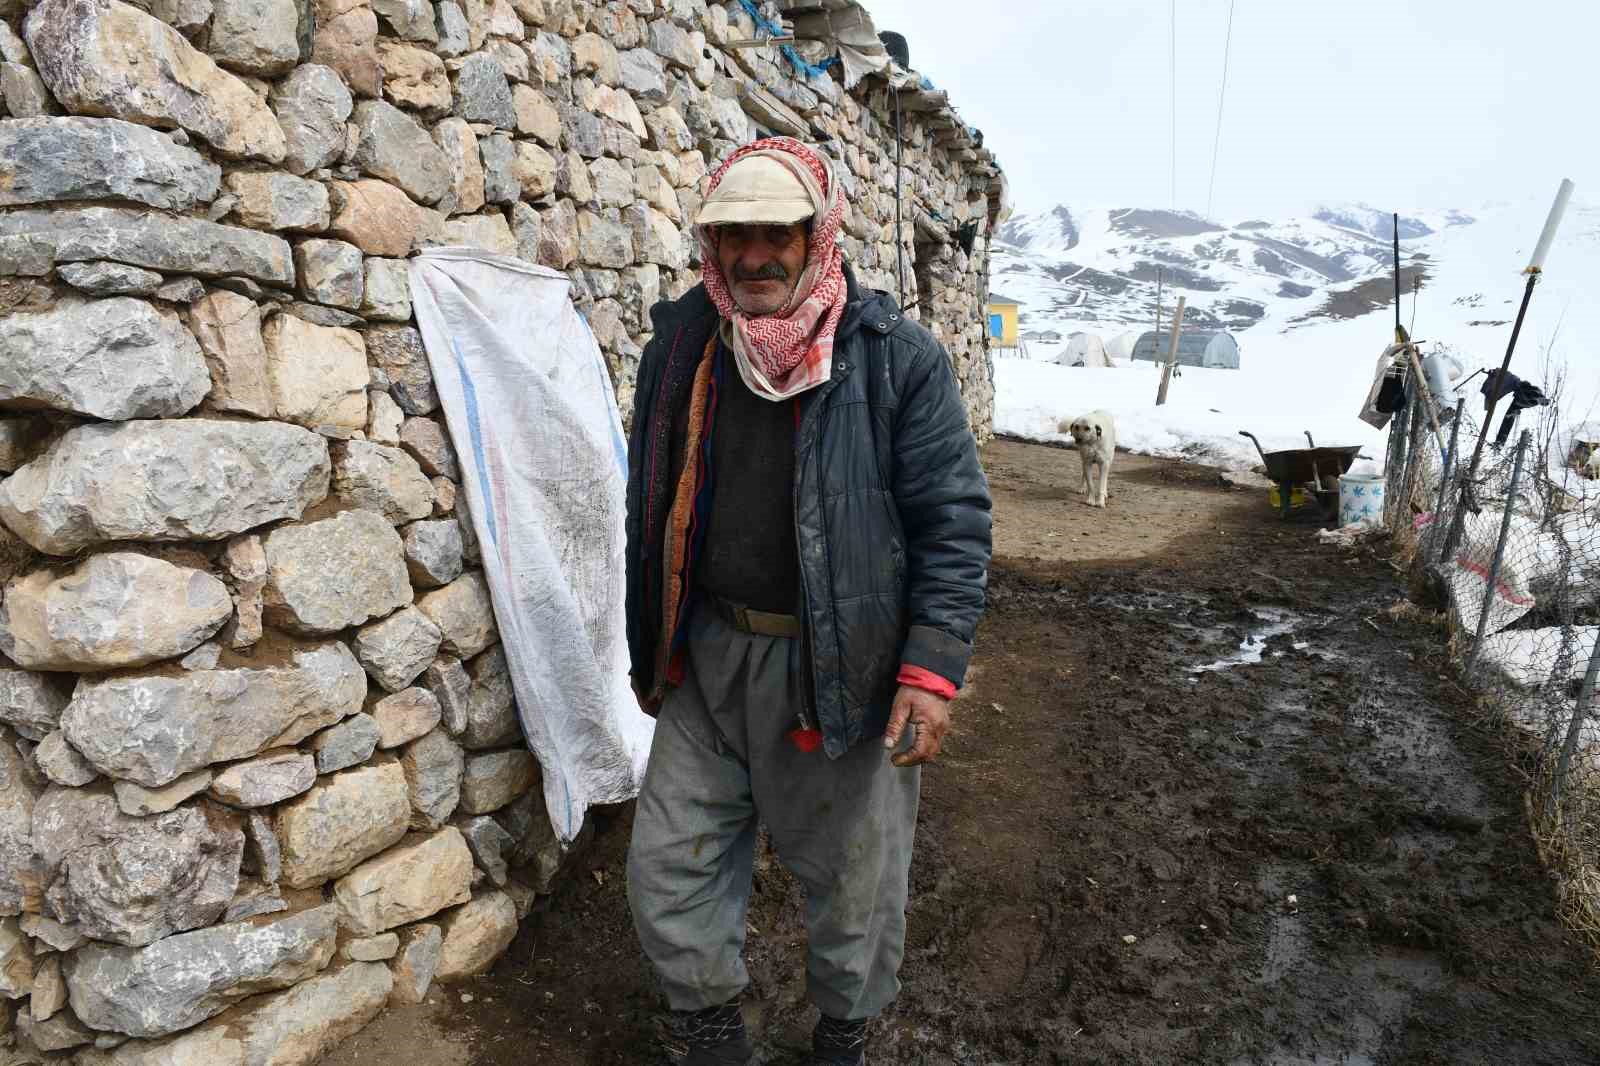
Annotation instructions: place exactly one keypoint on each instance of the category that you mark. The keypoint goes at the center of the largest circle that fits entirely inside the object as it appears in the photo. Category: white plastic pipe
(1557, 209)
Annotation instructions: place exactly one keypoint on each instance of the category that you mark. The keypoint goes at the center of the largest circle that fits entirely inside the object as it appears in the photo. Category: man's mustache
(769, 272)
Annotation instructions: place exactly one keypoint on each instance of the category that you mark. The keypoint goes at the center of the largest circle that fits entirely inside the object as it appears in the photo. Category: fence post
(1415, 456)
(1445, 478)
(1580, 713)
(1499, 548)
(1395, 461)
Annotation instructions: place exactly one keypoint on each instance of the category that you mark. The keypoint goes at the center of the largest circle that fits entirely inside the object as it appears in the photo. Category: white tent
(1120, 347)
(1084, 349)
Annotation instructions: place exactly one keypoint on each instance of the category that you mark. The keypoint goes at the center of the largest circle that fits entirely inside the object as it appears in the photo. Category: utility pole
(1158, 301)
(1172, 353)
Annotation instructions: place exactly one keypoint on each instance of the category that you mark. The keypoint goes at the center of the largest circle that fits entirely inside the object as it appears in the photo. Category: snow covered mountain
(1073, 269)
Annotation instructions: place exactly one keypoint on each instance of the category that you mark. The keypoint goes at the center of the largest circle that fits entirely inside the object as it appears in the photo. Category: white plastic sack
(544, 468)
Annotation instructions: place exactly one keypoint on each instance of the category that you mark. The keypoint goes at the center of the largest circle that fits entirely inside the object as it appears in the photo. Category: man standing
(808, 548)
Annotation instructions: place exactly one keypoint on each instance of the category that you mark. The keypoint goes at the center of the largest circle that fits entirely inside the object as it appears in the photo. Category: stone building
(260, 770)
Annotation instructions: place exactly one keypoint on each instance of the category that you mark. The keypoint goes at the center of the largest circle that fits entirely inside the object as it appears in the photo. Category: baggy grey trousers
(721, 761)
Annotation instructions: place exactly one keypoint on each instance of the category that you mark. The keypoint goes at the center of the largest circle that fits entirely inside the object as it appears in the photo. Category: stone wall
(260, 770)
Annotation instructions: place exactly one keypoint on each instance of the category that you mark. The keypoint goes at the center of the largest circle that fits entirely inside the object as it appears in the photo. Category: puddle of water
(1275, 624)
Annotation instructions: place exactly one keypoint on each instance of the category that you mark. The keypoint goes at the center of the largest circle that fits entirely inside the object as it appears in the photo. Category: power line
(1172, 83)
(1227, 46)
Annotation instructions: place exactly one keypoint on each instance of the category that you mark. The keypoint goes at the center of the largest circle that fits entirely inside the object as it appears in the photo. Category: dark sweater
(749, 556)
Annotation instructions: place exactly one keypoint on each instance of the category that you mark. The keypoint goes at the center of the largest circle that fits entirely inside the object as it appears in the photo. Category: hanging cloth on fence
(1387, 394)
(534, 422)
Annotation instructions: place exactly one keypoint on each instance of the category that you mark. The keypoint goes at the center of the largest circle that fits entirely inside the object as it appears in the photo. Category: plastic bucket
(1361, 499)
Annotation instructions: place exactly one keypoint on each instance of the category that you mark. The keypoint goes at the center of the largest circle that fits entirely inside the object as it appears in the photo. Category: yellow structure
(1002, 321)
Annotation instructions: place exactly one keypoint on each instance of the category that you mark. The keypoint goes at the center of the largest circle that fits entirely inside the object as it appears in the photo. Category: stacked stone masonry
(260, 766)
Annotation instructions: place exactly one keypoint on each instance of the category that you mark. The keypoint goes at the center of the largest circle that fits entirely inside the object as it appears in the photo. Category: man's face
(762, 263)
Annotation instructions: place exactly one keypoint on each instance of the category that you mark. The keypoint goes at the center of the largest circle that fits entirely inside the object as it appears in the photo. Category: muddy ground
(1206, 802)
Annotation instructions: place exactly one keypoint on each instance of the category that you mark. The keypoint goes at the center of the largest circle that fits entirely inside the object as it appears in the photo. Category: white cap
(757, 189)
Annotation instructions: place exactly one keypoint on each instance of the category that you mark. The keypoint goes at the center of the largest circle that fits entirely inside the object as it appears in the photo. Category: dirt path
(1319, 857)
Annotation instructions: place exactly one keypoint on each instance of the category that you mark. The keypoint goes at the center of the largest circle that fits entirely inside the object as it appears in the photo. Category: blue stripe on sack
(474, 426)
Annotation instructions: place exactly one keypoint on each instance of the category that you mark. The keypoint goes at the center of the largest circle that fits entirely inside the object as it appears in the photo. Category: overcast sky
(1404, 104)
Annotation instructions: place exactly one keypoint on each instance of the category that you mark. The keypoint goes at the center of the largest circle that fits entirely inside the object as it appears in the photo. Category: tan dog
(1096, 437)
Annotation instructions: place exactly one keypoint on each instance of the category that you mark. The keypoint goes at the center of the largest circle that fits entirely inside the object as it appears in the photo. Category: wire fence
(1511, 548)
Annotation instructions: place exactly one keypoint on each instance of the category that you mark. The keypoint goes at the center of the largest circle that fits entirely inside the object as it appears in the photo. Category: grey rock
(674, 44)
(552, 63)
(415, 962)
(604, 241)
(528, 229)
(185, 979)
(189, 479)
(188, 17)
(21, 868)
(151, 728)
(110, 611)
(205, 657)
(31, 703)
(398, 351)
(417, 879)
(499, 154)
(387, 292)
(318, 373)
(65, 159)
(657, 238)
(61, 762)
(643, 74)
(330, 273)
(58, 1032)
(109, 58)
(312, 105)
(180, 291)
(451, 685)
(49, 992)
(487, 231)
(341, 821)
(433, 552)
(158, 242)
(318, 315)
(228, 327)
(16, 965)
(411, 20)
(26, 255)
(253, 900)
(296, 1027)
(398, 649)
(433, 766)
(584, 131)
(391, 145)
(374, 477)
(263, 857)
(475, 935)
(347, 744)
(454, 37)
(489, 844)
(536, 115)
(415, 79)
(115, 359)
(52, 934)
(482, 93)
(334, 573)
(268, 778)
(425, 439)
(464, 163)
(379, 948)
(383, 418)
(25, 93)
(140, 802)
(267, 199)
(405, 716)
(110, 279)
(255, 36)
(491, 703)
(463, 612)
(613, 183)
(344, 36)
(134, 880)
(528, 823)
(490, 780)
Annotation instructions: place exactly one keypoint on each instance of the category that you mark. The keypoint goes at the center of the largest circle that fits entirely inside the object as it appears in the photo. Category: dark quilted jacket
(891, 508)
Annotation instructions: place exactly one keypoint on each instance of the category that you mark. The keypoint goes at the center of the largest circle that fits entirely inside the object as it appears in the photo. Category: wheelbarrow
(1295, 467)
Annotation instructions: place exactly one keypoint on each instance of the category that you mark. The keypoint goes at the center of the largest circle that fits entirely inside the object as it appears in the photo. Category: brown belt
(762, 623)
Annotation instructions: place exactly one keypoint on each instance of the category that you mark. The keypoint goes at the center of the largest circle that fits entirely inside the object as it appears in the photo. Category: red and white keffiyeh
(791, 350)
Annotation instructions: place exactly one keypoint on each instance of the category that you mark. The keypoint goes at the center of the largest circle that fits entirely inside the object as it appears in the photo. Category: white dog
(1096, 436)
